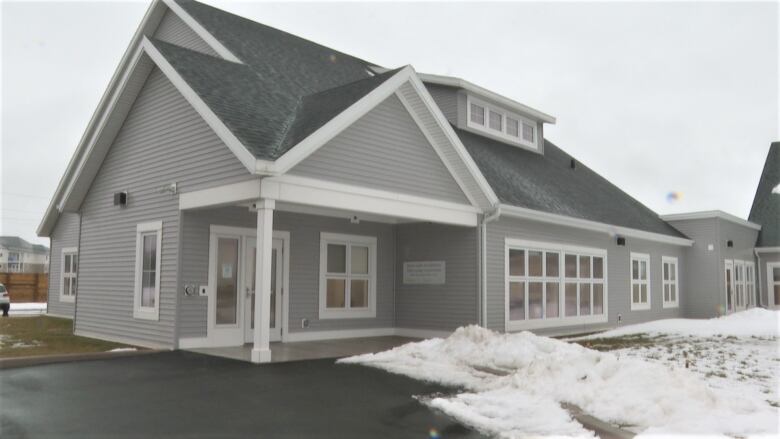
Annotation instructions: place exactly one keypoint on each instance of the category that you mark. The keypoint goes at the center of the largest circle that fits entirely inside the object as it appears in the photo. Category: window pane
(643, 270)
(673, 294)
(528, 132)
(635, 293)
(535, 263)
(552, 265)
(517, 301)
(777, 293)
(666, 292)
(66, 286)
(634, 269)
(477, 114)
(359, 260)
(67, 264)
(512, 127)
(227, 281)
(598, 299)
(643, 293)
(571, 265)
(337, 258)
(552, 299)
(598, 267)
(74, 262)
(73, 282)
(673, 271)
(666, 271)
(335, 297)
(571, 299)
(517, 262)
(535, 298)
(147, 289)
(584, 299)
(585, 267)
(150, 252)
(495, 120)
(358, 293)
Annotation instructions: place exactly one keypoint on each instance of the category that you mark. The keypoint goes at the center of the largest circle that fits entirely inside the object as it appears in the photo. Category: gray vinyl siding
(763, 276)
(447, 100)
(618, 270)
(385, 149)
(163, 140)
(304, 266)
(65, 234)
(702, 293)
(438, 307)
(173, 30)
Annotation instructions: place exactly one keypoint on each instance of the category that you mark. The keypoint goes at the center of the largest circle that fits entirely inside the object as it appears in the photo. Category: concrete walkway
(311, 350)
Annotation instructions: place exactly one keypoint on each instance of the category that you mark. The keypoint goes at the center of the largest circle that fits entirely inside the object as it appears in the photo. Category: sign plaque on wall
(424, 273)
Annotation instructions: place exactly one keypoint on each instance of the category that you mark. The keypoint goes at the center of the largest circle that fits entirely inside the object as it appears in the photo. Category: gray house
(228, 157)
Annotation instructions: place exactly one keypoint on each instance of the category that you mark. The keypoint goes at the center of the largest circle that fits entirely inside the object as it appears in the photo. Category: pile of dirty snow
(755, 322)
(515, 384)
(27, 308)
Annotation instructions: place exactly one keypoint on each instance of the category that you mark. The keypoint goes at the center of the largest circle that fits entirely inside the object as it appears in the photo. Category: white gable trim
(349, 116)
(201, 31)
(223, 132)
(711, 214)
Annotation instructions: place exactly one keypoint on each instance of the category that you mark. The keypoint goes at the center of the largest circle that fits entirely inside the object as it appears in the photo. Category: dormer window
(501, 123)
(477, 114)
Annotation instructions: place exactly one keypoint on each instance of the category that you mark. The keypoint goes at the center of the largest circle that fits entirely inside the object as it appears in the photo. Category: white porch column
(261, 351)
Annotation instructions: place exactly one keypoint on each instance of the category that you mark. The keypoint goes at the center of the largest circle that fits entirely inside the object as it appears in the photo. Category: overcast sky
(656, 97)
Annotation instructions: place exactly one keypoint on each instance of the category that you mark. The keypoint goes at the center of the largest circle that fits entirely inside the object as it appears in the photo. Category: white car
(5, 300)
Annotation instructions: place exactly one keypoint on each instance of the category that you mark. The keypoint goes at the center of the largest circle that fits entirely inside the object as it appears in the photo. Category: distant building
(19, 256)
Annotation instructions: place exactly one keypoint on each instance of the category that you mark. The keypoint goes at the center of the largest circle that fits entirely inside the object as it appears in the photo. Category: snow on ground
(122, 350)
(513, 385)
(739, 352)
(27, 308)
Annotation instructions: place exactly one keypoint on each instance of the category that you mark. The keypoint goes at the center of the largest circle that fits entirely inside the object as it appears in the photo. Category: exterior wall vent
(729, 243)
(573, 164)
(120, 199)
(621, 241)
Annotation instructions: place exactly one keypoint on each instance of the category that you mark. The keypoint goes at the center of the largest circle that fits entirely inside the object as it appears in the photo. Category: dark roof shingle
(766, 205)
(546, 182)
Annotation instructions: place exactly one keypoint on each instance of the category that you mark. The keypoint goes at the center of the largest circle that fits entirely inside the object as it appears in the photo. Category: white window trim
(639, 306)
(67, 251)
(561, 320)
(676, 282)
(347, 313)
(139, 312)
(503, 134)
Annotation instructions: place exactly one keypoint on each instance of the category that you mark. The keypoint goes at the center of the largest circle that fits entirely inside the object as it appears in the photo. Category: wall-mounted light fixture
(120, 199)
(729, 243)
(621, 241)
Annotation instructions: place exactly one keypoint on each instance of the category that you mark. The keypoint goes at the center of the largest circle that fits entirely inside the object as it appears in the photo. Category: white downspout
(483, 244)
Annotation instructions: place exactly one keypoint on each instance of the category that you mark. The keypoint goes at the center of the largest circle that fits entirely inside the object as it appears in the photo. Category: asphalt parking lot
(188, 395)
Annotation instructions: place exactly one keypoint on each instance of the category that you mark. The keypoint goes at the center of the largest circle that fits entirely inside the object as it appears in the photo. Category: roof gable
(766, 203)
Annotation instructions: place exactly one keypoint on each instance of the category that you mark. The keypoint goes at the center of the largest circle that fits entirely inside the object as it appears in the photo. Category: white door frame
(283, 281)
(770, 288)
(739, 285)
(729, 269)
(234, 335)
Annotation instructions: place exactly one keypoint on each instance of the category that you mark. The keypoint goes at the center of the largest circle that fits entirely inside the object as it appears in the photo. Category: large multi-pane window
(750, 283)
(671, 288)
(551, 284)
(347, 276)
(640, 281)
(68, 277)
(147, 270)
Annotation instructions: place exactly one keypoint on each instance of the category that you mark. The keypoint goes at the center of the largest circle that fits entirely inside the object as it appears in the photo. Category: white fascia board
(452, 81)
(336, 125)
(313, 192)
(228, 194)
(202, 32)
(767, 249)
(150, 20)
(709, 214)
(464, 155)
(536, 215)
(223, 132)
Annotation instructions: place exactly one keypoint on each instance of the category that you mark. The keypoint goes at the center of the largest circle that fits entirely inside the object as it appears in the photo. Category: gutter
(483, 256)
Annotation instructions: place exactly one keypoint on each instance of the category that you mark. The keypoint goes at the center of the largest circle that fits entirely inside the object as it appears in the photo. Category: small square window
(512, 127)
(496, 121)
(478, 114)
(528, 132)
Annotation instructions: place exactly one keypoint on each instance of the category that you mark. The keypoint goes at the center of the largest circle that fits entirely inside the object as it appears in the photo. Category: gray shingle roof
(766, 205)
(547, 183)
(17, 243)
